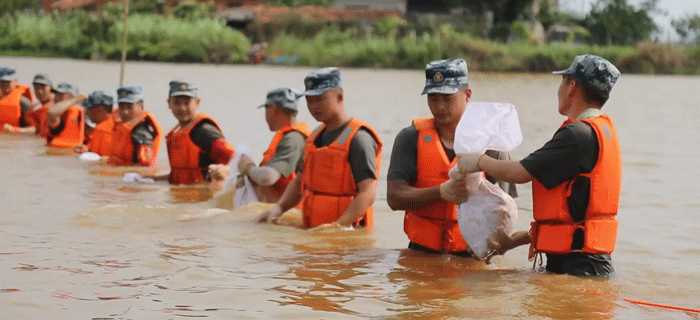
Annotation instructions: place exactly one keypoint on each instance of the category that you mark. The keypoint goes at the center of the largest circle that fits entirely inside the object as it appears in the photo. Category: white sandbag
(133, 177)
(487, 209)
(494, 126)
(243, 195)
(89, 157)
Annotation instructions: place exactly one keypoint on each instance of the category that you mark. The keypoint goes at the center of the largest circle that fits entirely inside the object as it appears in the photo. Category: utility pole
(126, 27)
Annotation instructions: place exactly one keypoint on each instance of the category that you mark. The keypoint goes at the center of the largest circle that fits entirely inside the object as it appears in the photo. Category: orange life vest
(73, 131)
(433, 226)
(184, 154)
(39, 119)
(101, 137)
(10, 107)
(282, 182)
(553, 228)
(122, 153)
(327, 180)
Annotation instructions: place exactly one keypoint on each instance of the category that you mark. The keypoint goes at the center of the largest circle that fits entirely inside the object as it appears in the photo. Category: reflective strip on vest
(433, 226)
(73, 132)
(328, 184)
(553, 229)
(101, 138)
(122, 153)
(184, 154)
(281, 184)
(11, 107)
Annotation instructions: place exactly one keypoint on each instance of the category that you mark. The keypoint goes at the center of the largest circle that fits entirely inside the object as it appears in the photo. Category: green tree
(193, 11)
(504, 11)
(11, 7)
(296, 3)
(688, 28)
(614, 22)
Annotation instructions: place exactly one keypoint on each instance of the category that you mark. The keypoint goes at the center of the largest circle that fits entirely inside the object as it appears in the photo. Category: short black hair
(591, 93)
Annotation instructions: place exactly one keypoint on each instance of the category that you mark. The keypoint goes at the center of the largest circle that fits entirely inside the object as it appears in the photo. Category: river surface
(77, 243)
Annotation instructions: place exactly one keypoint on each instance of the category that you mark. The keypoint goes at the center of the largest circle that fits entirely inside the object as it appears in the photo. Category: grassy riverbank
(389, 43)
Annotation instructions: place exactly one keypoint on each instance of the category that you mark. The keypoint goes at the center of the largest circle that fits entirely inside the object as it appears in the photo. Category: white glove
(90, 156)
(469, 162)
(454, 190)
(132, 177)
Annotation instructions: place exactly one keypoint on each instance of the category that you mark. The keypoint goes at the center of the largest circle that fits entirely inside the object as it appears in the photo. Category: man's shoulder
(579, 131)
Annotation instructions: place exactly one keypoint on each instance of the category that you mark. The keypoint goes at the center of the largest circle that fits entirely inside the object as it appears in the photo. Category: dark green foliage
(615, 22)
(296, 3)
(688, 28)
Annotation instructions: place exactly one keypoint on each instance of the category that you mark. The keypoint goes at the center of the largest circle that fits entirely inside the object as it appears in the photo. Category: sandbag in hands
(493, 126)
(487, 210)
(237, 190)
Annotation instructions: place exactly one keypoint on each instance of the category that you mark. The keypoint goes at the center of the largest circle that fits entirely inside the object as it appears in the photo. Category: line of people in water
(331, 172)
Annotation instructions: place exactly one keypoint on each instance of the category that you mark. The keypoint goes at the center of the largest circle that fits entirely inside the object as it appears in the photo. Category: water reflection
(564, 296)
(329, 267)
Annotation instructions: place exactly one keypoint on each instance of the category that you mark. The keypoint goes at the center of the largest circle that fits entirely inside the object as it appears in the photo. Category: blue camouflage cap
(42, 78)
(594, 71)
(98, 98)
(322, 80)
(445, 76)
(7, 73)
(182, 88)
(65, 87)
(131, 94)
(283, 97)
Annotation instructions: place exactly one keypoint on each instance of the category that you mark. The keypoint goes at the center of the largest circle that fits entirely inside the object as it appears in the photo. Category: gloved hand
(132, 177)
(10, 128)
(245, 164)
(455, 189)
(469, 162)
(270, 215)
(219, 171)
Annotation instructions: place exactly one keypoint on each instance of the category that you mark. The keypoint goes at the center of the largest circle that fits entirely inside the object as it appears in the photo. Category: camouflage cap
(131, 94)
(7, 73)
(64, 87)
(322, 80)
(594, 71)
(445, 76)
(283, 97)
(182, 88)
(42, 78)
(98, 98)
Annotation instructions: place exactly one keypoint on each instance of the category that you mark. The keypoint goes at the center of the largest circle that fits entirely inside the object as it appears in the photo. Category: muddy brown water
(77, 244)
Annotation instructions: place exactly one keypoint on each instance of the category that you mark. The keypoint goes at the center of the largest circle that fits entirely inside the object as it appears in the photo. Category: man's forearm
(264, 176)
(359, 205)
(292, 195)
(402, 196)
(505, 170)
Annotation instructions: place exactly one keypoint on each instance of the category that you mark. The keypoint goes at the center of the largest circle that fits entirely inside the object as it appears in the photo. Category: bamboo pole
(126, 26)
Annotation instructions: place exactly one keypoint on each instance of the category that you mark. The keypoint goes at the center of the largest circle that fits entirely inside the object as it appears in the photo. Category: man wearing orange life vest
(38, 116)
(576, 177)
(136, 135)
(280, 160)
(66, 121)
(98, 107)
(338, 181)
(196, 142)
(15, 101)
(418, 180)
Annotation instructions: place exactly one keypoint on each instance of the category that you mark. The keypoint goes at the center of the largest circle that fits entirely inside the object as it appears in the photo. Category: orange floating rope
(661, 305)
